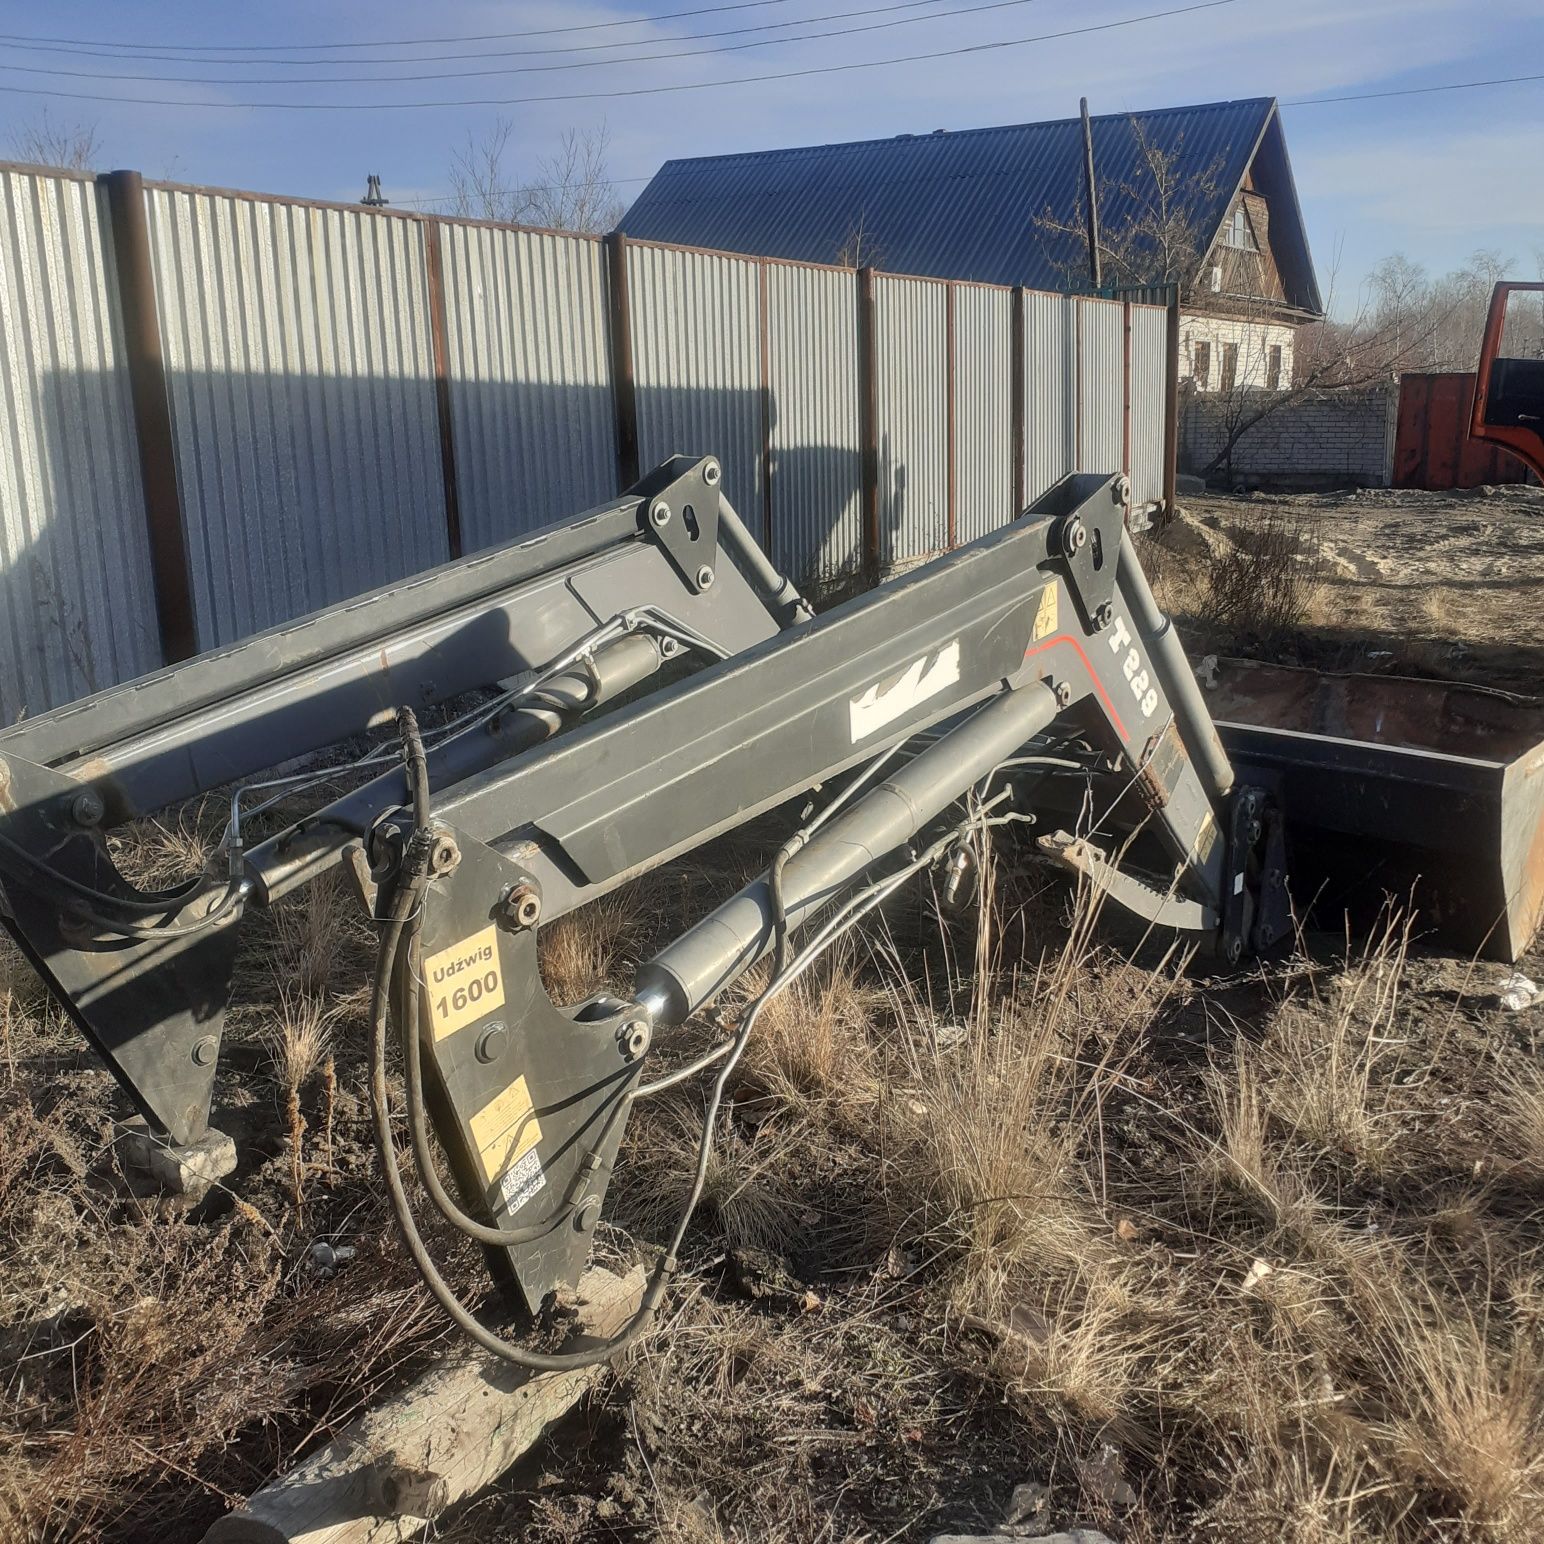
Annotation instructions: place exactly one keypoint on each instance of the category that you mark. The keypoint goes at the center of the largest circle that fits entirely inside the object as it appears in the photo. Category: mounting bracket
(680, 512)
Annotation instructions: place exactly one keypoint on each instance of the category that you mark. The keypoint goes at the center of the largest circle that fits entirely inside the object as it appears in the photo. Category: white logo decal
(896, 696)
(1137, 678)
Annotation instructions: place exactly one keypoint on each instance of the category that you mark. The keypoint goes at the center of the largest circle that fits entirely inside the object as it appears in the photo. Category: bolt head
(704, 578)
(445, 856)
(86, 807)
(711, 474)
(1075, 536)
(587, 1213)
(1104, 616)
(634, 1037)
(522, 906)
(659, 513)
(204, 1051)
(1233, 950)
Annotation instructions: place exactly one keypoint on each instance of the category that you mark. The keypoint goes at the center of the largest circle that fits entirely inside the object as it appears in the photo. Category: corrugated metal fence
(1432, 444)
(355, 394)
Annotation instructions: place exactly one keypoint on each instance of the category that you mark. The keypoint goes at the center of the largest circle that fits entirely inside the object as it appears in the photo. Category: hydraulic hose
(408, 1033)
(405, 902)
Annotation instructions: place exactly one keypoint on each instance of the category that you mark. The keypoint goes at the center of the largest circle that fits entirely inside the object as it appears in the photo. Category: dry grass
(1520, 1122)
(584, 951)
(749, 1199)
(1467, 1412)
(1267, 579)
(1215, 1298)
(299, 1038)
(1244, 1161)
(815, 1044)
(299, 1045)
(981, 1152)
(1333, 1062)
(1027, 1223)
(313, 932)
(155, 854)
(1244, 585)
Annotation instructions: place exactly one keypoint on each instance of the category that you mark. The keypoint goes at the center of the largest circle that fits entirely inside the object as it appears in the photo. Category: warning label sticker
(506, 1132)
(1045, 613)
(464, 982)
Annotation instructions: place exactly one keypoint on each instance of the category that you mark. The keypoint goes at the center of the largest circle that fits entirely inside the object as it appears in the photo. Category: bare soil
(1004, 1198)
(1440, 584)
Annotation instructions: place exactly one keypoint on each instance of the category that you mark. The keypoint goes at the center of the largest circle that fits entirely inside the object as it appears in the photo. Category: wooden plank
(456, 1430)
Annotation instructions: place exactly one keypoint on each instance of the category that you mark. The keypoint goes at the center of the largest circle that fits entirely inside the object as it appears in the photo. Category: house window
(1238, 232)
(1229, 365)
(1273, 367)
(1201, 363)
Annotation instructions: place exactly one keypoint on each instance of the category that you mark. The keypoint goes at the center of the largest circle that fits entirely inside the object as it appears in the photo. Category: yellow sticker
(505, 1130)
(1045, 613)
(464, 982)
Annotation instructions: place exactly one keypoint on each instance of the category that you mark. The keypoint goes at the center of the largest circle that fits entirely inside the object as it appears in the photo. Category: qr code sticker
(521, 1181)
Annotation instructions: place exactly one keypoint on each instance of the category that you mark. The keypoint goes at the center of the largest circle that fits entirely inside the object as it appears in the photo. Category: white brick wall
(1320, 438)
(1254, 341)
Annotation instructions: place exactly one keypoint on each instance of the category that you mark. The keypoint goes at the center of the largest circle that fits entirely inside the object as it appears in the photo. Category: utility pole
(1095, 268)
(373, 195)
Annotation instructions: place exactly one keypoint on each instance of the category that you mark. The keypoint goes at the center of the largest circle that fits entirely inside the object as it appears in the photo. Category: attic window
(1238, 232)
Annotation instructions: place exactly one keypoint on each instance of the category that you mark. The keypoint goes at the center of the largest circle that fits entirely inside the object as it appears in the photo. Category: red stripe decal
(1093, 675)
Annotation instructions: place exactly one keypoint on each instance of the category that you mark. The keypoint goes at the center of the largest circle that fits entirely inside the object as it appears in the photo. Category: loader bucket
(1393, 787)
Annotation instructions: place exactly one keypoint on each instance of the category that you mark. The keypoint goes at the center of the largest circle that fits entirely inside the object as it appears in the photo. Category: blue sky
(1433, 176)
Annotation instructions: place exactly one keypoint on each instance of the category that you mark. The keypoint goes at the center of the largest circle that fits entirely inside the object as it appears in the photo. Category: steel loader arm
(1027, 675)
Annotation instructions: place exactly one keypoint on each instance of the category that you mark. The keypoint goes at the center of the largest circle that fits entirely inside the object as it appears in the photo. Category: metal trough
(1426, 791)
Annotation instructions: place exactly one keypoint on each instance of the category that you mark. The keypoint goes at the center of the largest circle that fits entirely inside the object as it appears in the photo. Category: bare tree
(572, 189)
(1155, 229)
(45, 141)
(858, 248)
(1404, 321)
(1444, 316)
(1158, 236)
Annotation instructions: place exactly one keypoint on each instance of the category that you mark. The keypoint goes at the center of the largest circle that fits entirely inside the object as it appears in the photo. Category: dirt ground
(1441, 584)
(1016, 1221)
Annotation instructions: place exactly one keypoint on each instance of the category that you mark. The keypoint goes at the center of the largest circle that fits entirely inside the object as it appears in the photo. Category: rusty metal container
(1427, 792)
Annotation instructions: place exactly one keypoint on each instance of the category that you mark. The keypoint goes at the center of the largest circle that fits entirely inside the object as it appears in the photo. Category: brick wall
(1319, 440)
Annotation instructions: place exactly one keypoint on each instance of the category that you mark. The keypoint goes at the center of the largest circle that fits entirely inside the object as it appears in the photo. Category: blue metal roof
(970, 204)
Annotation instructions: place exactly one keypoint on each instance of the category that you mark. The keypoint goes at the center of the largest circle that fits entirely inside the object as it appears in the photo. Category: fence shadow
(299, 492)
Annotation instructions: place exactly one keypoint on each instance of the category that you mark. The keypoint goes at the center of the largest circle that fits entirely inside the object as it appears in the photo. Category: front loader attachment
(1427, 792)
(602, 698)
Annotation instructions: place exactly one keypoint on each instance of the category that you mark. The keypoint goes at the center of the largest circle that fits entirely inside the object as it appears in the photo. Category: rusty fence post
(765, 350)
(949, 459)
(1125, 395)
(164, 520)
(1077, 383)
(435, 268)
(868, 422)
(1171, 404)
(623, 391)
(1016, 400)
